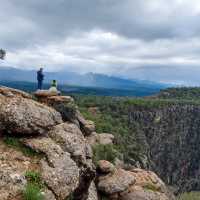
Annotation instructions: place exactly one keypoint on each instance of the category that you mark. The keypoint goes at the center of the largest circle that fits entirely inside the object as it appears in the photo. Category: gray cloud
(130, 38)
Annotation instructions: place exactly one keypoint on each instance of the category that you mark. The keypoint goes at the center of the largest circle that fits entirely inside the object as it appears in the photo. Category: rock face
(21, 115)
(10, 92)
(170, 136)
(137, 184)
(63, 139)
(71, 139)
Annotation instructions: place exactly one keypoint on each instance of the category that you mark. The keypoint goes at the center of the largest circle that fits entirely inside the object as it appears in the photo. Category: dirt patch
(13, 166)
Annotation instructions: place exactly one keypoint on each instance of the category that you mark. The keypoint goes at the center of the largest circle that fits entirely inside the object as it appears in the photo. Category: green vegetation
(34, 186)
(189, 93)
(189, 196)
(112, 117)
(151, 187)
(32, 192)
(34, 177)
(104, 152)
(15, 143)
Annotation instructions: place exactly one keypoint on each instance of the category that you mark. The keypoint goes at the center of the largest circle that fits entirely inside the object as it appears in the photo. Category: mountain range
(71, 78)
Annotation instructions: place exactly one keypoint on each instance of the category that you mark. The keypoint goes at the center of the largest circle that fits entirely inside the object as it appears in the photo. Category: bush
(189, 196)
(32, 192)
(104, 152)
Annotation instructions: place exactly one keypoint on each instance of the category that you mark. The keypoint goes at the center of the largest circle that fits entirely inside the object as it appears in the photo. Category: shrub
(189, 196)
(32, 192)
(104, 152)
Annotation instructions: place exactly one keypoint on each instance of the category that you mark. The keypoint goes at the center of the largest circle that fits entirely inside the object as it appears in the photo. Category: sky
(157, 40)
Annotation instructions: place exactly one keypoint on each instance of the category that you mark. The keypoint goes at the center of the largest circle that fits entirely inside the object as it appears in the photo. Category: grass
(189, 196)
(16, 144)
(34, 177)
(32, 192)
(34, 186)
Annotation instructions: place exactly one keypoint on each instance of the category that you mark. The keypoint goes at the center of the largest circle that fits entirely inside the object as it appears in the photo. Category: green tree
(2, 54)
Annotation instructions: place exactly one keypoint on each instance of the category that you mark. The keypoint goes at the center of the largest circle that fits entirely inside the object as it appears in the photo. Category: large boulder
(11, 92)
(19, 115)
(137, 184)
(87, 126)
(141, 194)
(59, 171)
(105, 167)
(71, 139)
(116, 182)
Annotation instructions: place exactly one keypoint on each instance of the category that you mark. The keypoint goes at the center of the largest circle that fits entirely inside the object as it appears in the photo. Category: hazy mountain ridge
(71, 78)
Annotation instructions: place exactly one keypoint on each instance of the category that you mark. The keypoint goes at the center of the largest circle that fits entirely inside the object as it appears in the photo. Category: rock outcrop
(62, 139)
(22, 115)
(137, 184)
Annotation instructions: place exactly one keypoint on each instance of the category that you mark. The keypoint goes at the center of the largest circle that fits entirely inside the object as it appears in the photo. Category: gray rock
(87, 126)
(59, 171)
(105, 166)
(144, 195)
(71, 139)
(115, 182)
(25, 116)
(11, 92)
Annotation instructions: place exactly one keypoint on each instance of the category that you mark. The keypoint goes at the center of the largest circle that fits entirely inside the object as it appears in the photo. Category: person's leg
(39, 85)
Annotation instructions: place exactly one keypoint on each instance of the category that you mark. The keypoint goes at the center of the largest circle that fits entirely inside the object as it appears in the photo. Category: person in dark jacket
(40, 78)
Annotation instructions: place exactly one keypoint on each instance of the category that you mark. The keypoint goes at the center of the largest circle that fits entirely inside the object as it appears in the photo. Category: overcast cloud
(158, 40)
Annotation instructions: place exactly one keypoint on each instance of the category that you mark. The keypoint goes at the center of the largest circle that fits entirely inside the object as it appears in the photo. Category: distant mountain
(70, 78)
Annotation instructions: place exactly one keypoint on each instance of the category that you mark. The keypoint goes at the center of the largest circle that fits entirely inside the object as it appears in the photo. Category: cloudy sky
(157, 40)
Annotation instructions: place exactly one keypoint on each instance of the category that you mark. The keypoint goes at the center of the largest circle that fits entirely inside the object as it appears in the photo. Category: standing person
(40, 78)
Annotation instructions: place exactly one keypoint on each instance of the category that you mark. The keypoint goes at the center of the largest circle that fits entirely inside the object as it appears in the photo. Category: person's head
(41, 69)
(54, 81)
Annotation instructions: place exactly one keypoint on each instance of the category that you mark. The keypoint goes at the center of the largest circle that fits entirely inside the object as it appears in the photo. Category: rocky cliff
(170, 135)
(46, 153)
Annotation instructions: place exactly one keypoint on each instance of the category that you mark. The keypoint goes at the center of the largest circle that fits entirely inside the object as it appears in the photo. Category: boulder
(19, 115)
(11, 92)
(65, 106)
(60, 99)
(116, 182)
(106, 138)
(45, 93)
(136, 184)
(87, 126)
(59, 171)
(71, 139)
(149, 181)
(141, 194)
(100, 138)
(105, 166)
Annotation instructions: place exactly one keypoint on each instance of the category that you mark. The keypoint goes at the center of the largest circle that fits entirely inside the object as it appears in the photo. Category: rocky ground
(60, 142)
